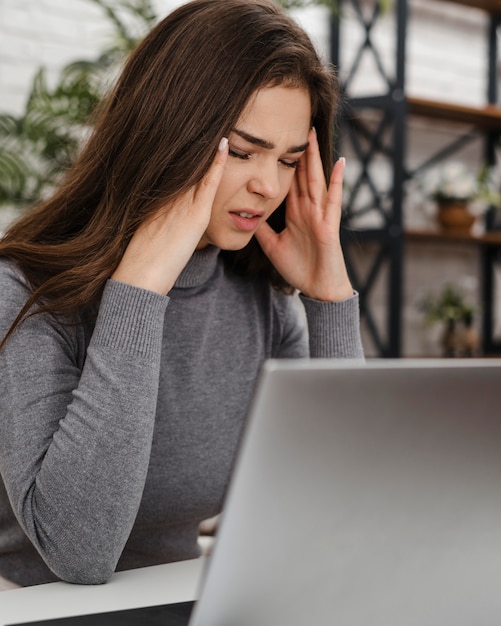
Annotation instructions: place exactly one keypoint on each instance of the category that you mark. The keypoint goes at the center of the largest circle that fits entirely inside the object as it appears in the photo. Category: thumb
(267, 239)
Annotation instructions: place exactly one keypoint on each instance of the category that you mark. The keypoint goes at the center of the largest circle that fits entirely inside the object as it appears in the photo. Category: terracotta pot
(454, 217)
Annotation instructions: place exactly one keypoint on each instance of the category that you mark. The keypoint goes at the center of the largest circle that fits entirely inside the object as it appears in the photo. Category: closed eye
(292, 164)
(245, 156)
(239, 155)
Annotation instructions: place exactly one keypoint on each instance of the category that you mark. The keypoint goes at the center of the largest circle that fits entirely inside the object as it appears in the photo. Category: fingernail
(222, 144)
(343, 161)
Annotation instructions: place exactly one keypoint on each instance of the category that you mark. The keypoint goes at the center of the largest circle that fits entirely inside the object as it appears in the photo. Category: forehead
(273, 112)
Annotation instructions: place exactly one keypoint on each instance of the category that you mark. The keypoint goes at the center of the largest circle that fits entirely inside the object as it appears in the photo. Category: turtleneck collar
(199, 268)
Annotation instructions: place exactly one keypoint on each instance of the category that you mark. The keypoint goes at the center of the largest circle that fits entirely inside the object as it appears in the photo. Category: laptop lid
(363, 494)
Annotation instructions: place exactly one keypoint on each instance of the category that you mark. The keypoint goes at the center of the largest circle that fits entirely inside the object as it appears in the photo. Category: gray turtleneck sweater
(117, 439)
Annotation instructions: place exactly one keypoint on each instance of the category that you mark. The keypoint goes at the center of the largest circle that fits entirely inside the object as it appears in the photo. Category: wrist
(330, 291)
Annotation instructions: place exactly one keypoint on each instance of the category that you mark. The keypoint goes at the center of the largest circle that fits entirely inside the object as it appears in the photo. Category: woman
(139, 302)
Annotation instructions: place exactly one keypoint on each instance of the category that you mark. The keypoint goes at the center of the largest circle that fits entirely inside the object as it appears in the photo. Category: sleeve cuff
(130, 319)
(334, 328)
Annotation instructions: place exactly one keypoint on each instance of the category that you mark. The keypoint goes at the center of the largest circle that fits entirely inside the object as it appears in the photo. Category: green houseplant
(37, 146)
(452, 309)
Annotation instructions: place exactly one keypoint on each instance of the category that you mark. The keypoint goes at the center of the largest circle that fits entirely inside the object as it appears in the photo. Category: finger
(206, 190)
(293, 195)
(301, 176)
(335, 191)
(315, 170)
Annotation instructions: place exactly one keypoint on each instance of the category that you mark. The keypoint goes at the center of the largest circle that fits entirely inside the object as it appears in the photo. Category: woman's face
(264, 148)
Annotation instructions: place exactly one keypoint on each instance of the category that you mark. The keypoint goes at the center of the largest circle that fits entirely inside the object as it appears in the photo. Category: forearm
(76, 482)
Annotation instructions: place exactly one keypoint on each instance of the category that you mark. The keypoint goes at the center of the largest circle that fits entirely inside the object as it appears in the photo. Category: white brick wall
(446, 54)
(51, 33)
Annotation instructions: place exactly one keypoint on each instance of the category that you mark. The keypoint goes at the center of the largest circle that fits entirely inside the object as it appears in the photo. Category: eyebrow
(262, 143)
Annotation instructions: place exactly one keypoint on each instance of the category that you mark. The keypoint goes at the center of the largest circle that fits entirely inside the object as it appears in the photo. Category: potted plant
(452, 309)
(461, 194)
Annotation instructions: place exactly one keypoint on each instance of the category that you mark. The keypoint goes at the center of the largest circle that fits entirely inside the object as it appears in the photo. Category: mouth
(246, 220)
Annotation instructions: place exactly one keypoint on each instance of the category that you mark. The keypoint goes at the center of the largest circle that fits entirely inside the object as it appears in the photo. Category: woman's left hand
(308, 253)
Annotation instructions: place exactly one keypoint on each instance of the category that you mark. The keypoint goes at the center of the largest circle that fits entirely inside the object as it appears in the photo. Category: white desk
(160, 584)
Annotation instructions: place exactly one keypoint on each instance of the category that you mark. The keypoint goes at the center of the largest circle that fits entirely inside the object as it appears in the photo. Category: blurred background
(418, 123)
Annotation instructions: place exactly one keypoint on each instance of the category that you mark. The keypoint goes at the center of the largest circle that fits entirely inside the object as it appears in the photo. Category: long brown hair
(182, 89)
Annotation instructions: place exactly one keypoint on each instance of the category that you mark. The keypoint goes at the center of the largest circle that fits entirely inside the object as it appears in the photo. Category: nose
(265, 181)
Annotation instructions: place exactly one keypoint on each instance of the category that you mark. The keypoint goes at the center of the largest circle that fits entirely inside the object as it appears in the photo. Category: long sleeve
(334, 328)
(118, 438)
(75, 438)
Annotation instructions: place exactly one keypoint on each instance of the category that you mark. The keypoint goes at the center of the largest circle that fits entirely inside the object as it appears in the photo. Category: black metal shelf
(386, 137)
(490, 6)
(488, 238)
(487, 118)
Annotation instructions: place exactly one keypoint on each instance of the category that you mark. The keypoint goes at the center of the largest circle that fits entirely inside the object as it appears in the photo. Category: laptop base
(163, 615)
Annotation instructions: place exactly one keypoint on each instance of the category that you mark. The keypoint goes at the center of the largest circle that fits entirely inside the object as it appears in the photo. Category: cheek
(286, 181)
(228, 186)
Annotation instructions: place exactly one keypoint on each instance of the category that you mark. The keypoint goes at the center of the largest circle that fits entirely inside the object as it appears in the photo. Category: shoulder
(15, 290)
(9, 270)
(13, 286)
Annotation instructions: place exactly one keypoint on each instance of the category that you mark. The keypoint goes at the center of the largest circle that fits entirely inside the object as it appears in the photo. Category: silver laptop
(364, 495)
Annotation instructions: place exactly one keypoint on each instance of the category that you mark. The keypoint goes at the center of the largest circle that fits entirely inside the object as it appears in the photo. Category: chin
(232, 244)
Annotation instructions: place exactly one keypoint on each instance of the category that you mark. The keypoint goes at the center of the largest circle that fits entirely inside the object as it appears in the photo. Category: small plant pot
(454, 217)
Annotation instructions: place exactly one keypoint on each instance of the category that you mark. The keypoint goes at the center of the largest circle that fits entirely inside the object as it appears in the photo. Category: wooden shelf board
(486, 118)
(491, 6)
(487, 238)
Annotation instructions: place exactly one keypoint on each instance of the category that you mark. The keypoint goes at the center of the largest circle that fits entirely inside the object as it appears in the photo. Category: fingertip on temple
(338, 170)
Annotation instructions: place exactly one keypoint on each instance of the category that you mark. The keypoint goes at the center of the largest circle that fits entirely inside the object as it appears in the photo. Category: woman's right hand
(163, 244)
